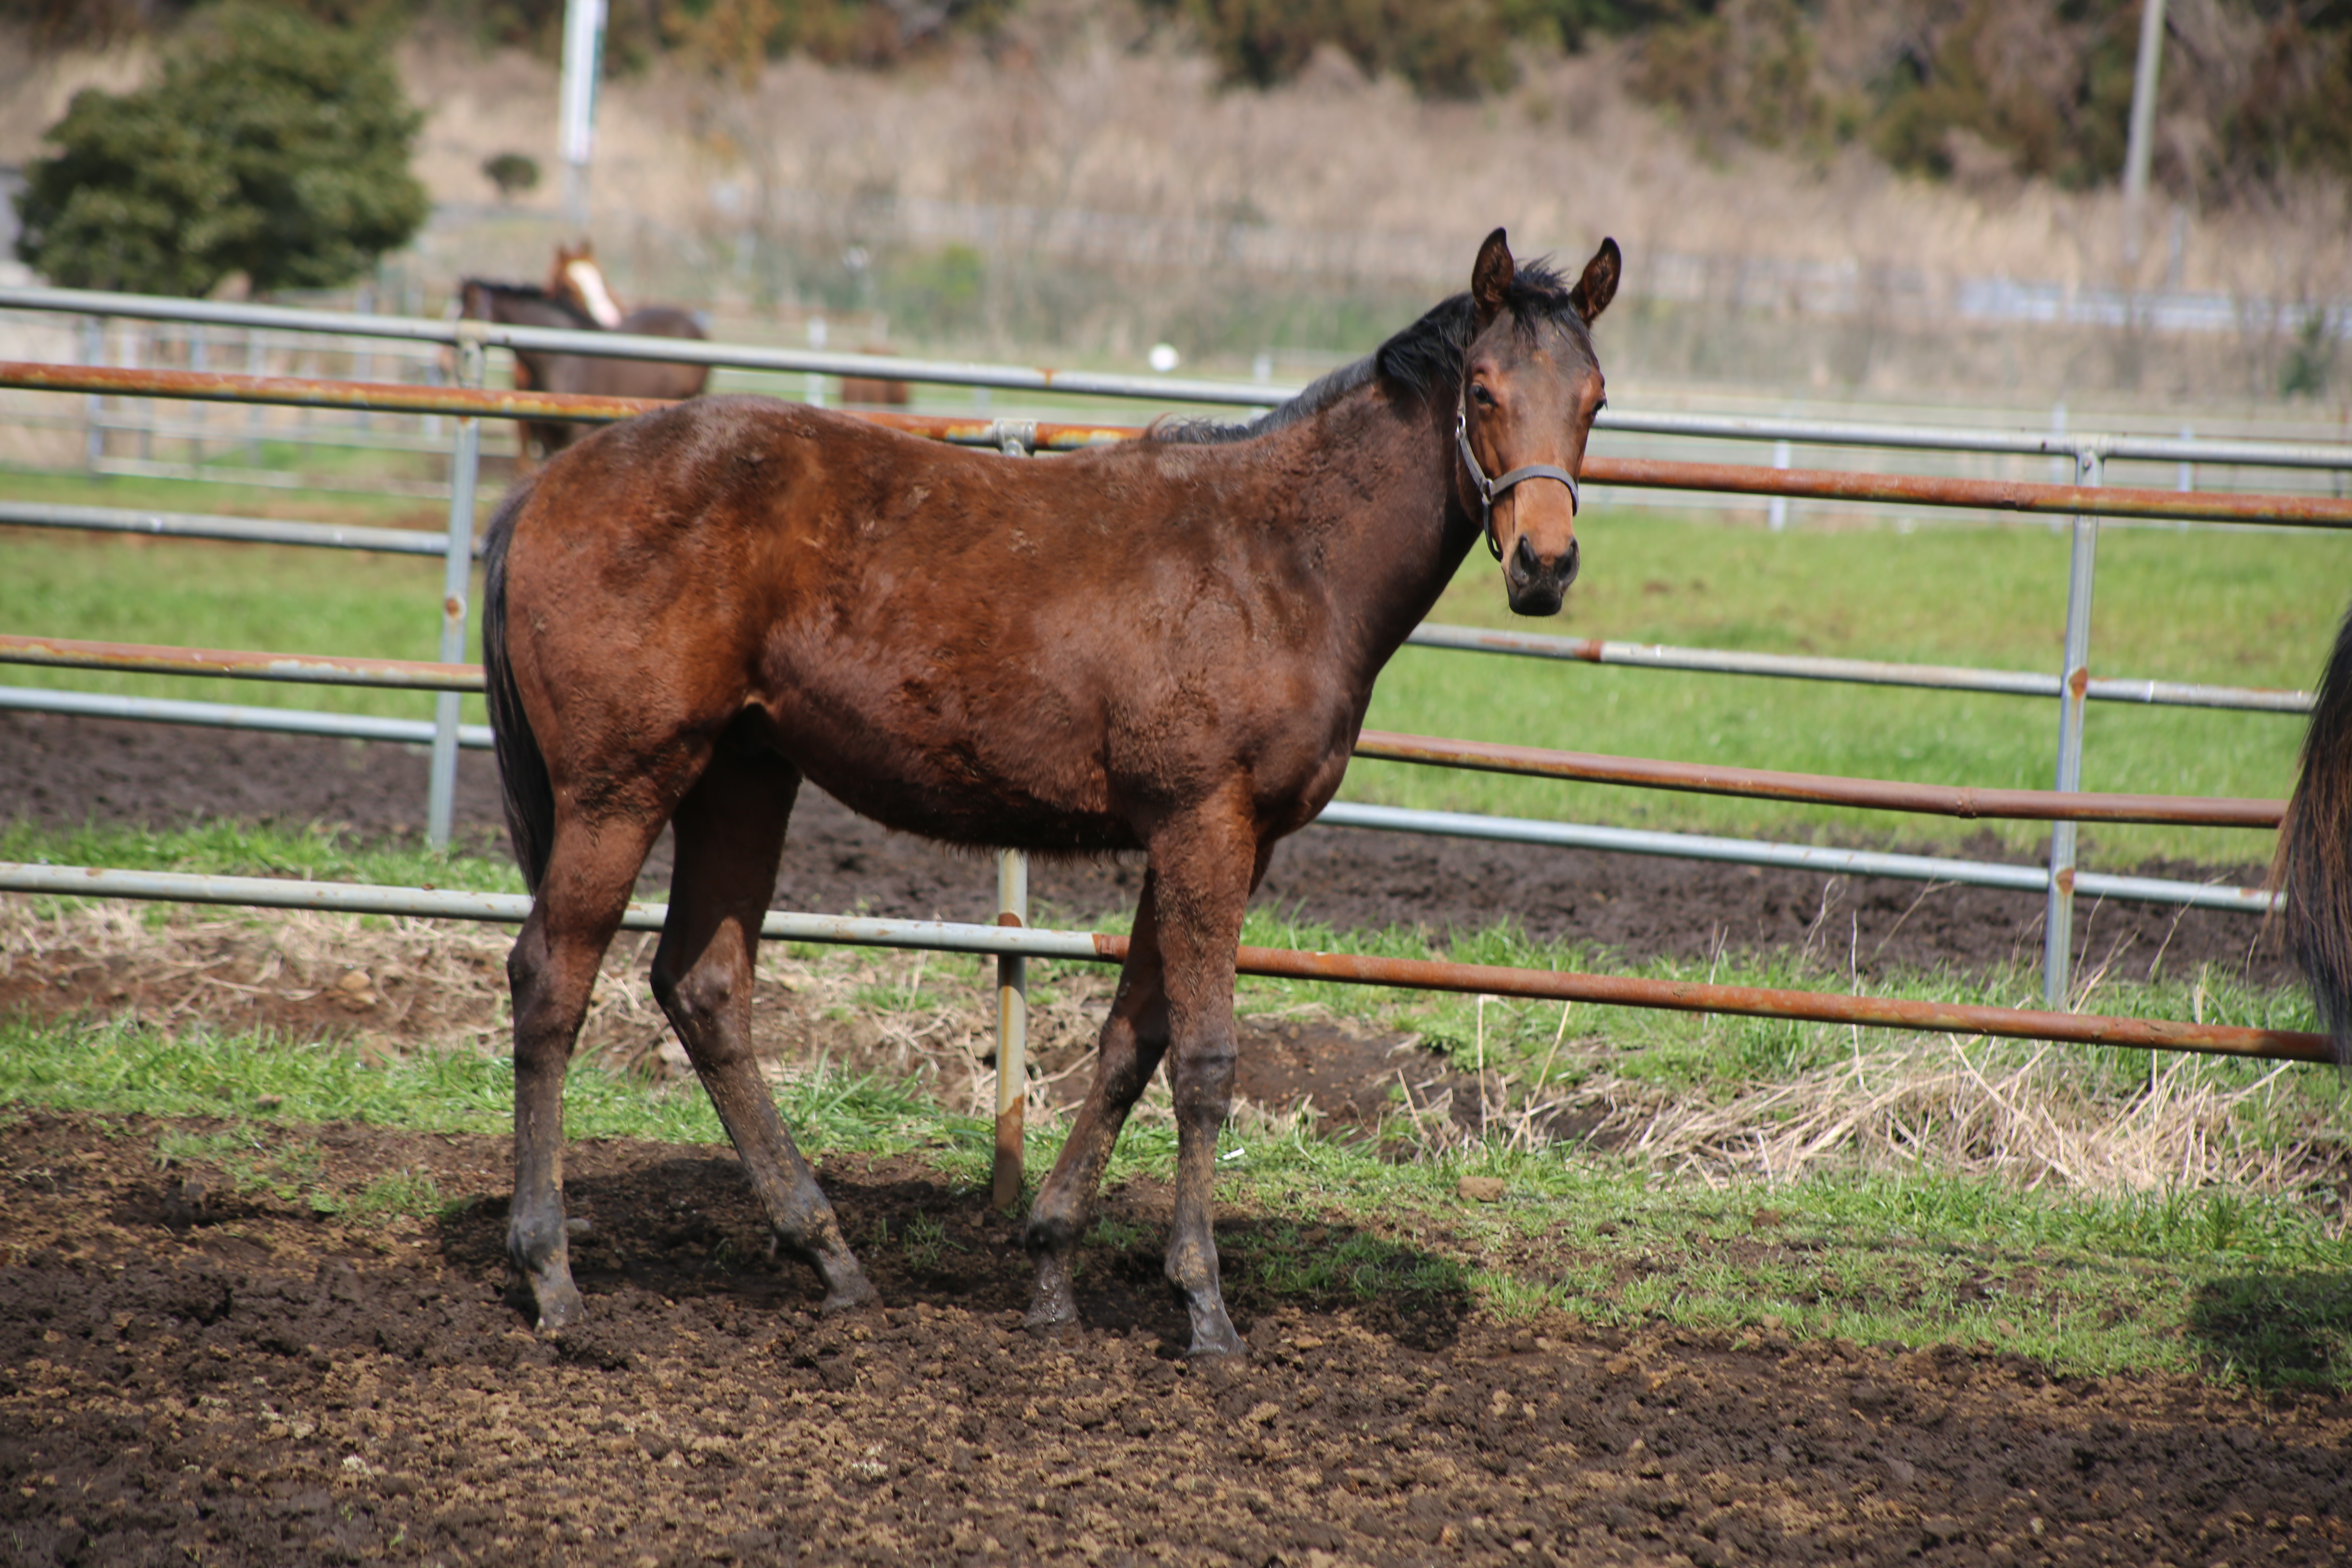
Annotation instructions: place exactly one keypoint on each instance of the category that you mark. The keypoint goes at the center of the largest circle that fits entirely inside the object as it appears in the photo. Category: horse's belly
(945, 781)
(975, 811)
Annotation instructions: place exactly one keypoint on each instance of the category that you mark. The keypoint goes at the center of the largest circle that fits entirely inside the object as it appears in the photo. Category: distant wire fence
(384, 451)
(465, 403)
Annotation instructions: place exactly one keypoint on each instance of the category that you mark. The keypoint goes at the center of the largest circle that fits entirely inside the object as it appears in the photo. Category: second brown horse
(1167, 645)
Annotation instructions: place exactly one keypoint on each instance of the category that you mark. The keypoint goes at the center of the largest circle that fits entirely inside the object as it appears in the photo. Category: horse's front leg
(1206, 867)
(1134, 1037)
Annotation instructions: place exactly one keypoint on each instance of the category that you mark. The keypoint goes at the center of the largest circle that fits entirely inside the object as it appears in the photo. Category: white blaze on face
(589, 279)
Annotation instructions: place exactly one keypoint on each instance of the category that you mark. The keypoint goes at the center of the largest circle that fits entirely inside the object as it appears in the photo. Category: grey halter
(1489, 489)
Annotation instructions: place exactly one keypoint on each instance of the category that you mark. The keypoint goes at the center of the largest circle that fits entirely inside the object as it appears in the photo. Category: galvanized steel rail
(1822, 789)
(1860, 671)
(1166, 389)
(1818, 484)
(1530, 645)
(1585, 767)
(1824, 860)
(1290, 963)
(207, 525)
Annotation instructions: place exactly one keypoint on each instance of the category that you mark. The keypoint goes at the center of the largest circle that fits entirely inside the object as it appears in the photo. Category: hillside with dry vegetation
(1089, 175)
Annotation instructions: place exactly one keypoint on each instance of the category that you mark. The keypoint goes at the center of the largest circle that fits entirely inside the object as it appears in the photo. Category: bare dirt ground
(188, 1373)
(196, 1368)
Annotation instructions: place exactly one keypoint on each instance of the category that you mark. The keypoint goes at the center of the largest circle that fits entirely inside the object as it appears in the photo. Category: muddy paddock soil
(59, 772)
(192, 1374)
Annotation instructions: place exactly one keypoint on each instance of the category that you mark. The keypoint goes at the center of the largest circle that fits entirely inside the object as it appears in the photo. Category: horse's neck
(1381, 502)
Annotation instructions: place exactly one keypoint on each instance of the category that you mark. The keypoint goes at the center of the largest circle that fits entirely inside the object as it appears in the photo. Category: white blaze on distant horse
(589, 279)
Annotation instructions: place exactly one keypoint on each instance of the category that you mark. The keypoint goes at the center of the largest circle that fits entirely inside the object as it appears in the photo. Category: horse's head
(577, 280)
(1530, 386)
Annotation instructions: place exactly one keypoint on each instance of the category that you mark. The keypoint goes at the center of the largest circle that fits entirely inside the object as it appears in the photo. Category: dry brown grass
(2031, 1116)
(1082, 111)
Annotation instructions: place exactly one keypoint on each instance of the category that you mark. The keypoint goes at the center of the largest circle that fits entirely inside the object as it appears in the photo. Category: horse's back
(659, 378)
(662, 321)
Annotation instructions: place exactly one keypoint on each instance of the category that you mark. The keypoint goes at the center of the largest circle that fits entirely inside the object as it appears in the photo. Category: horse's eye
(1480, 395)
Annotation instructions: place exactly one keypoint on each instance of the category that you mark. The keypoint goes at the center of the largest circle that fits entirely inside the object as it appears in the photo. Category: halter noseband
(1489, 489)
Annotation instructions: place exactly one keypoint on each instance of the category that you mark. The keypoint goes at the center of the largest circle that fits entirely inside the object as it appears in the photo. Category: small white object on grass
(1163, 357)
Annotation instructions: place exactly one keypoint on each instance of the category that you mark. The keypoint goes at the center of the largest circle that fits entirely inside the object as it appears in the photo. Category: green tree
(272, 146)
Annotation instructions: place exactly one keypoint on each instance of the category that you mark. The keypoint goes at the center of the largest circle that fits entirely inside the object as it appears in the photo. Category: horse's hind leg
(729, 834)
(552, 970)
(1133, 1039)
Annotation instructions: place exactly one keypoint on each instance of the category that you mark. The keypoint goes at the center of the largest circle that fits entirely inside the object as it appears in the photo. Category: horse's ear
(1598, 285)
(1490, 278)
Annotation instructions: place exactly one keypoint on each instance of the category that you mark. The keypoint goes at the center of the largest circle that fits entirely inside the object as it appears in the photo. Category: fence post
(2058, 924)
(93, 415)
(256, 362)
(456, 583)
(1014, 439)
(1777, 513)
(1011, 1030)
(200, 416)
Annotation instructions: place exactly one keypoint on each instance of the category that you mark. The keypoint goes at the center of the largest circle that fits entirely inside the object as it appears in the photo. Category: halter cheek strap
(1489, 489)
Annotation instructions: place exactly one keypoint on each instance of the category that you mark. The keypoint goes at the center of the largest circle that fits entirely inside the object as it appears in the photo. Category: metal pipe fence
(1019, 942)
(2082, 502)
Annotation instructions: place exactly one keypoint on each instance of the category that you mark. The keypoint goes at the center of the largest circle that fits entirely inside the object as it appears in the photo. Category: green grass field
(2233, 606)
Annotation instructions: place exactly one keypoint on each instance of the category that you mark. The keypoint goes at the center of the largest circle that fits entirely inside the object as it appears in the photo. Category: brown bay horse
(1167, 645)
(576, 299)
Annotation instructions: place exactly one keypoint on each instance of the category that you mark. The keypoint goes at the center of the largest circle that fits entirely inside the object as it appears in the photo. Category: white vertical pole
(2139, 151)
(583, 48)
(2058, 926)
(1012, 1031)
(94, 412)
(1012, 988)
(1777, 514)
(816, 339)
(457, 584)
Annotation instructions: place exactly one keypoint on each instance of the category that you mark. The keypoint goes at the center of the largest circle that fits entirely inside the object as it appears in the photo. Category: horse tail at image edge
(2312, 872)
(528, 792)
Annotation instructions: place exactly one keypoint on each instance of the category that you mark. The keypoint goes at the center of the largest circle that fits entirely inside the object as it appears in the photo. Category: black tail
(2314, 869)
(522, 771)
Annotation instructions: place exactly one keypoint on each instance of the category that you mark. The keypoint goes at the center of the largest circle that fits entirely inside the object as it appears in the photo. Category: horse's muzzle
(1535, 586)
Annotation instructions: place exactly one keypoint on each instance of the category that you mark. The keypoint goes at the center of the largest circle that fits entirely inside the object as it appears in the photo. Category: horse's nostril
(1527, 557)
(1567, 564)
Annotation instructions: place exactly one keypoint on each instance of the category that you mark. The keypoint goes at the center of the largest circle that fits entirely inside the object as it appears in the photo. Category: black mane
(1422, 362)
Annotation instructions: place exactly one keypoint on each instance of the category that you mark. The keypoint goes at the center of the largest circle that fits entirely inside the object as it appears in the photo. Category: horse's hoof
(1044, 1322)
(847, 1296)
(560, 1306)
(1054, 1306)
(1212, 1334)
